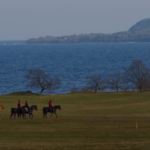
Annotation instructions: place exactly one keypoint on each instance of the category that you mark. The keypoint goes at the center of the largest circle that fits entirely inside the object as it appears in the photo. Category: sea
(72, 62)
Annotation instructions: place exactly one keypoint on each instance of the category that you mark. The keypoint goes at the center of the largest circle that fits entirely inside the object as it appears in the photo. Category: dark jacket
(26, 105)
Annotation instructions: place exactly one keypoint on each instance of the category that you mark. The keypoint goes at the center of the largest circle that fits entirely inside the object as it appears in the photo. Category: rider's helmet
(26, 101)
(19, 101)
(50, 101)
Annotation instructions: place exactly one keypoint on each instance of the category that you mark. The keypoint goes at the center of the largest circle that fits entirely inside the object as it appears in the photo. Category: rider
(19, 104)
(27, 106)
(50, 105)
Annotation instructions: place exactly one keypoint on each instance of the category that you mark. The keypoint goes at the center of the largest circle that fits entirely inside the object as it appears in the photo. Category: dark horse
(18, 111)
(29, 111)
(46, 110)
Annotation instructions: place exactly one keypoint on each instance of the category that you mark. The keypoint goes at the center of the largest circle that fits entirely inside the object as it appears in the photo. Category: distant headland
(140, 32)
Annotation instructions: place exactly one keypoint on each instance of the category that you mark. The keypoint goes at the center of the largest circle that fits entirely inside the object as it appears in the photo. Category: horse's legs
(51, 114)
(23, 116)
(55, 114)
(30, 115)
(54, 111)
(43, 114)
(10, 116)
(15, 116)
(18, 115)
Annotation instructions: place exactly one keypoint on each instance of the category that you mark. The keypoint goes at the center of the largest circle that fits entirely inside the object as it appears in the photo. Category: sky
(24, 19)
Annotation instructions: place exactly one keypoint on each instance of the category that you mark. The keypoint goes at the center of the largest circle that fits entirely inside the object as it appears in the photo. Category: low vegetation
(86, 121)
(134, 77)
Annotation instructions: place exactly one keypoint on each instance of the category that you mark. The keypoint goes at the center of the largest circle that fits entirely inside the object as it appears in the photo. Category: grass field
(86, 122)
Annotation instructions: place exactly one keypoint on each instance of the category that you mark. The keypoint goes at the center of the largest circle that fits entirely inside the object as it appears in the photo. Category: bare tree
(95, 83)
(74, 89)
(114, 81)
(38, 79)
(138, 75)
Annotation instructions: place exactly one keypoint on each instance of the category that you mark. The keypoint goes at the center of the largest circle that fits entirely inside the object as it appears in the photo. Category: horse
(1, 107)
(13, 112)
(18, 111)
(46, 110)
(29, 111)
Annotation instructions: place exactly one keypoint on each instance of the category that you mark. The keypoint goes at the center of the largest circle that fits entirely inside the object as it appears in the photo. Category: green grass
(86, 122)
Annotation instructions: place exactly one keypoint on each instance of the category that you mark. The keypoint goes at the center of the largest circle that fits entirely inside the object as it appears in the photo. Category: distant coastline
(140, 32)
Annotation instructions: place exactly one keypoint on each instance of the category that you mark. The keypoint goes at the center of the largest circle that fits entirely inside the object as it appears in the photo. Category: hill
(140, 32)
(143, 25)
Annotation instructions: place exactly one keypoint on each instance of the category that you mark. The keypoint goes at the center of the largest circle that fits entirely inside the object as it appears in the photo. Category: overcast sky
(24, 19)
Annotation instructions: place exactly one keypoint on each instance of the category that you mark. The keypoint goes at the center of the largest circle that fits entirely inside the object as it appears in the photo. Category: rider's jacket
(19, 105)
(26, 105)
(50, 104)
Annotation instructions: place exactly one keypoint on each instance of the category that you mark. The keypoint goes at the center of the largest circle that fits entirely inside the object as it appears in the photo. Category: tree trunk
(41, 91)
(95, 90)
(117, 88)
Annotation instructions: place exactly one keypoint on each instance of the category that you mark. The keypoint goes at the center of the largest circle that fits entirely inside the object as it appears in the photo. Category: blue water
(72, 63)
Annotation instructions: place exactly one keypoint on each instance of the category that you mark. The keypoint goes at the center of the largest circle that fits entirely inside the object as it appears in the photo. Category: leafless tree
(138, 75)
(74, 89)
(38, 79)
(114, 81)
(95, 83)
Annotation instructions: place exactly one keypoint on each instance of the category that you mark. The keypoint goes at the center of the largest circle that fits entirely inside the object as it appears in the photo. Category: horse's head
(59, 107)
(35, 107)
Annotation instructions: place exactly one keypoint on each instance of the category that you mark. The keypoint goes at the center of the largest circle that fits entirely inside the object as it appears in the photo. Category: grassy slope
(86, 121)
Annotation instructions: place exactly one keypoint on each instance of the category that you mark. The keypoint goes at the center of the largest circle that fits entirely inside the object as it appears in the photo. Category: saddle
(51, 109)
(26, 109)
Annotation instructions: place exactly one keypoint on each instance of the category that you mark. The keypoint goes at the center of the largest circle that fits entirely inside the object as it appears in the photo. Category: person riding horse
(50, 106)
(19, 104)
(19, 110)
(27, 106)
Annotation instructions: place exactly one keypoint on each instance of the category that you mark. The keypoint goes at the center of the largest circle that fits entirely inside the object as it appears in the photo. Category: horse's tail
(11, 112)
(44, 112)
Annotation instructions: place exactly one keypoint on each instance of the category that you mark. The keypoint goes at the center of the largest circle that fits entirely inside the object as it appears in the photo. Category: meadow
(85, 122)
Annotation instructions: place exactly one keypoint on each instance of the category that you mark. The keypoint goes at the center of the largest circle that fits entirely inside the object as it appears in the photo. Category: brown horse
(18, 111)
(30, 110)
(1, 107)
(46, 110)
